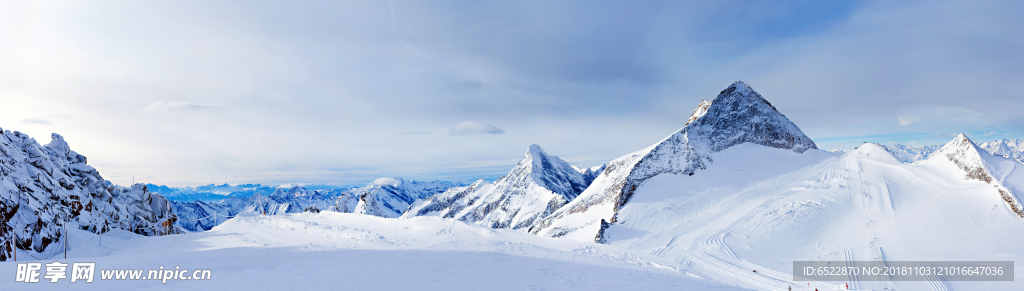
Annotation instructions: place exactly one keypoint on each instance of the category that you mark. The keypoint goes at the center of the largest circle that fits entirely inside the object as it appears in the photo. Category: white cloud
(907, 120)
(387, 181)
(474, 127)
(161, 106)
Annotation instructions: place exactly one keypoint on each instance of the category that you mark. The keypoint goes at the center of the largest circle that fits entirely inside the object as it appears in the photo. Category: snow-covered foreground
(360, 252)
(759, 208)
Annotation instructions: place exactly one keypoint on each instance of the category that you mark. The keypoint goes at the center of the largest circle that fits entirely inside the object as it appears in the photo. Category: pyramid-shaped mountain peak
(549, 172)
(536, 150)
(960, 143)
(739, 114)
(966, 155)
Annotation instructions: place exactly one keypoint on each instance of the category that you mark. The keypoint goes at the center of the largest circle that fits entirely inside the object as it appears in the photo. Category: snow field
(361, 252)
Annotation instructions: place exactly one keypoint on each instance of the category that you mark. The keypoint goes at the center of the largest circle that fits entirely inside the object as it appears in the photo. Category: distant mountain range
(384, 197)
(213, 192)
(1006, 148)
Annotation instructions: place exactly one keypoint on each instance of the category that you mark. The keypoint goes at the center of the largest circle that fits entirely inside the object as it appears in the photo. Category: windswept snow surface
(761, 208)
(347, 251)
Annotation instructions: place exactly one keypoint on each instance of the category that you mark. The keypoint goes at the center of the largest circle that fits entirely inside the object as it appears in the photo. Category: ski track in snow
(690, 225)
(720, 258)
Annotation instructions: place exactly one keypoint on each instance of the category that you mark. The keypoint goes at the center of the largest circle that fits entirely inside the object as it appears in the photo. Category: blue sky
(341, 92)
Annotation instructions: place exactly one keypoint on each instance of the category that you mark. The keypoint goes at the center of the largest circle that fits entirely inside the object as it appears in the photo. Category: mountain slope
(738, 115)
(761, 208)
(537, 186)
(982, 166)
(43, 188)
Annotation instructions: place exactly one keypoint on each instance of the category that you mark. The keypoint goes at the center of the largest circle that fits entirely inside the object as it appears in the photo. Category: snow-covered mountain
(738, 115)
(982, 166)
(44, 188)
(761, 208)
(537, 186)
(202, 215)
(384, 197)
(1007, 148)
(911, 153)
(387, 197)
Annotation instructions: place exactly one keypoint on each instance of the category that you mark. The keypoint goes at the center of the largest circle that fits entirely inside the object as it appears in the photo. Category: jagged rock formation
(43, 188)
(978, 165)
(537, 186)
(738, 115)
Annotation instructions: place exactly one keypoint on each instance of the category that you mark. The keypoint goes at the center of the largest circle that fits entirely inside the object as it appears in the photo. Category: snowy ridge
(702, 109)
(43, 188)
(738, 115)
(537, 186)
(979, 165)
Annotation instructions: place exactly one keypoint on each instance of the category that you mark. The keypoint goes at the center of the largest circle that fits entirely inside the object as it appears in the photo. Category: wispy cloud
(39, 121)
(161, 106)
(474, 127)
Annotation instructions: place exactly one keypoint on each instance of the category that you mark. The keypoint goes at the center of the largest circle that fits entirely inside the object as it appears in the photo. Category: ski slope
(761, 208)
(346, 251)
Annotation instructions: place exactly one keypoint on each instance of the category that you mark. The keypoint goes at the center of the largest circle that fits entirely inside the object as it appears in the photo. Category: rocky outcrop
(44, 188)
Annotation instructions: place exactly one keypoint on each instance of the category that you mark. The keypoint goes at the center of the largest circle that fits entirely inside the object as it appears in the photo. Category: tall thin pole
(65, 241)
